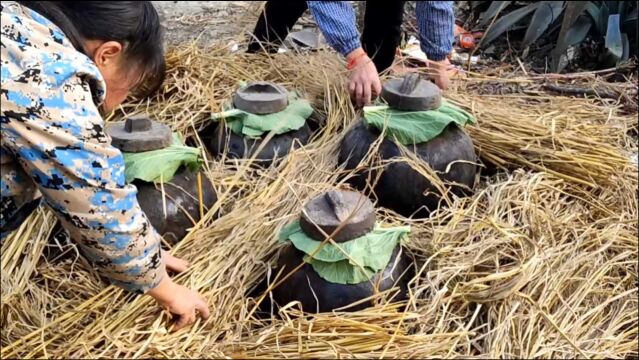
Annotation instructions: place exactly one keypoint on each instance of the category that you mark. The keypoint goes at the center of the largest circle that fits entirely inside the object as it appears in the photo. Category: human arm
(179, 300)
(57, 137)
(56, 133)
(336, 20)
(436, 21)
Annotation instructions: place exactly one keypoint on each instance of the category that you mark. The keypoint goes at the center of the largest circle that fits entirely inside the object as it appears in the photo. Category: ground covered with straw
(540, 262)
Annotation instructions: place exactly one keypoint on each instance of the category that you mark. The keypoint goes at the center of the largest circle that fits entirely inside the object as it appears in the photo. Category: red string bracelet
(352, 62)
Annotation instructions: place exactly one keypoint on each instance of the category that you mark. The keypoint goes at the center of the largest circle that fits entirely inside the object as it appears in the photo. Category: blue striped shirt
(336, 20)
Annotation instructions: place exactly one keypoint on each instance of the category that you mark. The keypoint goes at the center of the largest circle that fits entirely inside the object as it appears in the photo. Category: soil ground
(211, 21)
(185, 21)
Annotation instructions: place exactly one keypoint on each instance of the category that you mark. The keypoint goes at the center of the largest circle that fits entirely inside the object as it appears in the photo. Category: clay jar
(399, 187)
(181, 193)
(182, 203)
(59, 246)
(319, 295)
(240, 147)
(258, 98)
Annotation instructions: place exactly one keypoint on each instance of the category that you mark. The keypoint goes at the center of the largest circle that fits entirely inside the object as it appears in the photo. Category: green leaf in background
(251, 125)
(495, 7)
(630, 21)
(341, 272)
(414, 127)
(626, 48)
(476, 4)
(372, 251)
(547, 12)
(578, 18)
(571, 16)
(613, 42)
(578, 31)
(604, 14)
(623, 10)
(160, 165)
(506, 22)
(575, 34)
(593, 10)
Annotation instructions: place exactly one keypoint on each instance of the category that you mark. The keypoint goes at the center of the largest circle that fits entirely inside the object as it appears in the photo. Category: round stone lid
(138, 134)
(261, 98)
(411, 93)
(329, 210)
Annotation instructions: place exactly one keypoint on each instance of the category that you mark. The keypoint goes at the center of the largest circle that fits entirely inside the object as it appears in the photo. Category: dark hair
(135, 24)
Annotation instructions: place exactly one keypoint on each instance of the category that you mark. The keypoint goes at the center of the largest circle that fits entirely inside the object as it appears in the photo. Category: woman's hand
(177, 299)
(441, 73)
(364, 81)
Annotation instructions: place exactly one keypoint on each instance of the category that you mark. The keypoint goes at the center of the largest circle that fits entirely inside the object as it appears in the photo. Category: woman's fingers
(359, 94)
(182, 302)
(377, 87)
(352, 85)
(367, 93)
(364, 81)
(203, 309)
(189, 318)
(184, 320)
(179, 265)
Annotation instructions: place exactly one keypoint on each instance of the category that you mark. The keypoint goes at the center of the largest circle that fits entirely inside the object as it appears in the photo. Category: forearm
(336, 20)
(164, 291)
(436, 21)
(116, 237)
(104, 219)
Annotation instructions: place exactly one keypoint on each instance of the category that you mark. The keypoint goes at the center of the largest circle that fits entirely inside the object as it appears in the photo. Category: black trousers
(380, 38)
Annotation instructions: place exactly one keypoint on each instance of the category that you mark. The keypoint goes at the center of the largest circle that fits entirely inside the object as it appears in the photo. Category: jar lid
(411, 93)
(138, 134)
(325, 213)
(261, 97)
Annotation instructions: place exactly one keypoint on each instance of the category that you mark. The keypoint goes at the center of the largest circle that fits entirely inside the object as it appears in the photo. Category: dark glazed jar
(401, 188)
(239, 147)
(259, 98)
(182, 203)
(318, 295)
(347, 215)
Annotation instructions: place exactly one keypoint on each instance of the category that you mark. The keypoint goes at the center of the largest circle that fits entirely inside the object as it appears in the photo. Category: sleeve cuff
(138, 288)
(349, 47)
(436, 56)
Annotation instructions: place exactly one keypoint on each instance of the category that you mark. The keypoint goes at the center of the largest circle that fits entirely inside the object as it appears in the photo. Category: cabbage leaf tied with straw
(162, 164)
(349, 262)
(414, 127)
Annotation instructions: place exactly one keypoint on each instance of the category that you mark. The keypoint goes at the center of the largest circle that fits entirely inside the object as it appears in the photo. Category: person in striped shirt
(375, 51)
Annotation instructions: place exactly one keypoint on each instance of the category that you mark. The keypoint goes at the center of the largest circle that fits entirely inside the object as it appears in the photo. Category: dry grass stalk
(540, 262)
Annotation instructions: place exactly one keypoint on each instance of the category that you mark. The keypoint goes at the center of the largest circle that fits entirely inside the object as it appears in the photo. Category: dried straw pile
(540, 262)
